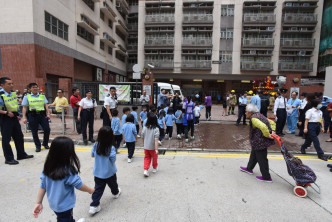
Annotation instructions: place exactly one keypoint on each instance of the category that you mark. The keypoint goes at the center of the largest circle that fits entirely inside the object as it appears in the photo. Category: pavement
(189, 186)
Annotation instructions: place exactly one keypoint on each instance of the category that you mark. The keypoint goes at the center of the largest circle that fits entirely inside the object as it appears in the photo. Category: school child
(116, 127)
(167, 107)
(130, 133)
(169, 123)
(143, 115)
(179, 122)
(134, 113)
(197, 113)
(126, 111)
(150, 137)
(162, 107)
(58, 180)
(162, 126)
(104, 169)
(188, 118)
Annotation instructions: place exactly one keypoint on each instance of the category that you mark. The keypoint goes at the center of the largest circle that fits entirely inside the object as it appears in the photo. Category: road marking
(21, 180)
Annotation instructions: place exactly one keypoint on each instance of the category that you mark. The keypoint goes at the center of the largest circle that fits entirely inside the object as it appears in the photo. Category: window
(120, 34)
(55, 26)
(82, 32)
(110, 23)
(225, 56)
(110, 50)
(90, 4)
(227, 10)
(102, 45)
(102, 15)
(120, 57)
(226, 33)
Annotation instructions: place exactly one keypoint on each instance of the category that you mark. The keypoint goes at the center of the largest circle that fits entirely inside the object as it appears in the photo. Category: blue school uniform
(169, 119)
(104, 166)
(144, 122)
(123, 120)
(129, 132)
(135, 117)
(177, 114)
(143, 115)
(161, 122)
(115, 125)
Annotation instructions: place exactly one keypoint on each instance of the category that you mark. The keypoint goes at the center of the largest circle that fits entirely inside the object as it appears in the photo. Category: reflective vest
(11, 104)
(36, 104)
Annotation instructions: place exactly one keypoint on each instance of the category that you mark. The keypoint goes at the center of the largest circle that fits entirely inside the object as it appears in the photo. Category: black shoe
(46, 147)
(92, 140)
(11, 162)
(38, 150)
(329, 165)
(245, 124)
(330, 170)
(323, 157)
(303, 151)
(25, 157)
(85, 142)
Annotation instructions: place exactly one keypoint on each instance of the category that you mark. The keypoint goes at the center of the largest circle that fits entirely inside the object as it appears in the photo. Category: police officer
(35, 111)
(280, 111)
(87, 113)
(110, 104)
(10, 126)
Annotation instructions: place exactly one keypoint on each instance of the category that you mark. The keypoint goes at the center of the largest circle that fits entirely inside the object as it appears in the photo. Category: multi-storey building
(214, 46)
(58, 42)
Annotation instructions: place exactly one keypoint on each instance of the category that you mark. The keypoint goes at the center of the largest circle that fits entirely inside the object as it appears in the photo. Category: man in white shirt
(144, 99)
(280, 111)
(110, 104)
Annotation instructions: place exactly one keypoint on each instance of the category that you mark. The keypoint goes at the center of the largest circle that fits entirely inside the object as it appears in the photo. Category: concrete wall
(328, 82)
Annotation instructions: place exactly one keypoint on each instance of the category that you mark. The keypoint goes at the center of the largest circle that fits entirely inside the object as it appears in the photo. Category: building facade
(59, 42)
(214, 46)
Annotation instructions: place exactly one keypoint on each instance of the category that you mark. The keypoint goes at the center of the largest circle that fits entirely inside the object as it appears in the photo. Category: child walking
(143, 115)
(126, 111)
(162, 126)
(116, 128)
(197, 112)
(134, 113)
(169, 123)
(130, 133)
(58, 180)
(104, 169)
(150, 137)
(179, 122)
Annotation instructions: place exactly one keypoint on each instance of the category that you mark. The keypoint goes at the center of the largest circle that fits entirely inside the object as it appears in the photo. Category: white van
(177, 89)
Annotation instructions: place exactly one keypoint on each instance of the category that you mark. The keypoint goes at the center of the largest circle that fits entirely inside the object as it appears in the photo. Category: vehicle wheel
(300, 191)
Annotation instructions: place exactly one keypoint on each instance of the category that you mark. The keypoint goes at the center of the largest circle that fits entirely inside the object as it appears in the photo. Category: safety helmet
(233, 91)
(250, 92)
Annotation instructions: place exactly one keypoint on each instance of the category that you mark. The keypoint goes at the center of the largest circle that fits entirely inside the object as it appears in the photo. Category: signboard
(122, 92)
(147, 88)
(136, 75)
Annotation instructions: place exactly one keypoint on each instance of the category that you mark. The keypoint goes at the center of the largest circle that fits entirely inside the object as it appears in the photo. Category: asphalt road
(190, 186)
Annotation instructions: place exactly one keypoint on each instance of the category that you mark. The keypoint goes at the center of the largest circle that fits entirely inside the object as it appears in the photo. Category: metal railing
(159, 41)
(294, 43)
(259, 18)
(299, 18)
(197, 41)
(257, 66)
(257, 42)
(159, 18)
(132, 47)
(160, 64)
(200, 18)
(296, 66)
(196, 64)
(132, 27)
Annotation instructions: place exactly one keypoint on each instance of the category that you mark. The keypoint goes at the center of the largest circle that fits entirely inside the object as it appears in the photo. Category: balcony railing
(132, 47)
(196, 64)
(132, 27)
(204, 18)
(159, 41)
(300, 18)
(159, 19)
(257, 66)
(297, 43)
(257, 42)
(160, 64)
(197, 41)
(296, 66)
(259, 18)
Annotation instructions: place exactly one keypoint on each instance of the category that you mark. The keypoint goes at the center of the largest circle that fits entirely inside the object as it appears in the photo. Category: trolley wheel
(300, 191)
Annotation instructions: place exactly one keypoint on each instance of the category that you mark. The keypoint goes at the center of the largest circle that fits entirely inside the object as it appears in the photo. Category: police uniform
(111, 102)
(87, 116)
(11, 128)
(280, 112)
(36, 115)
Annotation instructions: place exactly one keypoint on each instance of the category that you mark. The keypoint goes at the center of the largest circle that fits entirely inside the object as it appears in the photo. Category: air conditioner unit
(288, 4)
(304, 29)
(270, 28)
(106, 36)
(293, 28)
(302, 53)
(306, 4)
(296, 4)
(99, 75)
(208, 51)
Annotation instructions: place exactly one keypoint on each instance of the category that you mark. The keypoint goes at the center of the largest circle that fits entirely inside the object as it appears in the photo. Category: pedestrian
(110, 103)
(188, 118)
(304, 101)
(162, 126)
(162, 108)
(292, 108)
(196, 97)
(58, 180)
(265, 102)
(61, 105)
(176, 102)
(218, 99)
(179, 122)
(329, 109)
(104, 169)
(9, 122)
(224, 105)
(249, 96)
(208, 107)
(314, 124)
(301, 120)
(134, 113)
(256, 99)
(117, 130)
(260, 136)
(126, 111)
(169, 119)
(272, 99)
(326, 115)
(129, 134)
(197, 113)
(163, 98)
(168, 105)
(143, 115)
(150, 135)
(19, 100)
(232, 102)
(75, 104)
(242, 109)
(280, 111)
(35, 111)
(87, 113)
(144, 99)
